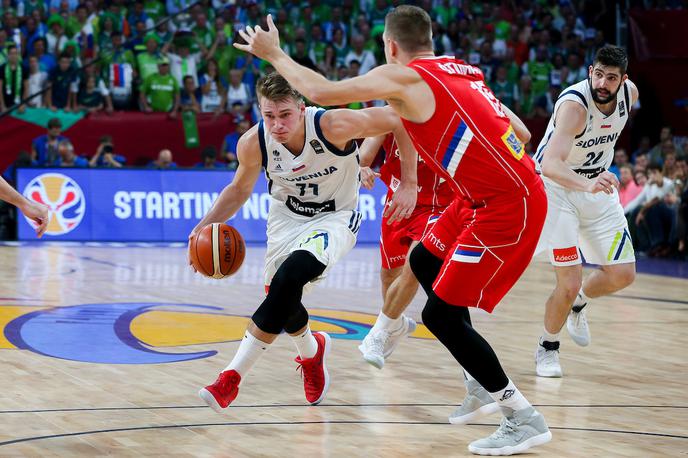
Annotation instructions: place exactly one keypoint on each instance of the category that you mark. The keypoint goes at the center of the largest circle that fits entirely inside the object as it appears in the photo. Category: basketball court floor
(104, 348)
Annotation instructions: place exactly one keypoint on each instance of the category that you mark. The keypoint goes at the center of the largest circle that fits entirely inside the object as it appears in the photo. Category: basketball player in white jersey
(36, 212)
(584, 213)
(312, 168)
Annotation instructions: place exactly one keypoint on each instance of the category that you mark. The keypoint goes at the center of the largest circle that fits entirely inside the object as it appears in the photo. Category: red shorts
(485, 248)
(396, 238)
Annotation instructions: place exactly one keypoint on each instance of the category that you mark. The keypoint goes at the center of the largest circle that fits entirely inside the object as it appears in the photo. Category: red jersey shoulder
(450, 66)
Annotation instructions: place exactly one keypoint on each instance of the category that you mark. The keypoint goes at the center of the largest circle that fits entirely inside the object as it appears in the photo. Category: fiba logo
(63, 196)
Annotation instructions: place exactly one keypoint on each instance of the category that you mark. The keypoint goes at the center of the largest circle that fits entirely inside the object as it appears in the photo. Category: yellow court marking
(9, 313)
(365, 318)
(160, 328)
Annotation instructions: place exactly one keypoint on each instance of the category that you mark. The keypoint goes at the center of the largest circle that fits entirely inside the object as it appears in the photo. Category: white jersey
(320, 180)
(593, 149)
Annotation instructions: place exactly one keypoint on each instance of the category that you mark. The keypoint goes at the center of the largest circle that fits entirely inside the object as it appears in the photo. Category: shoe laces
(506, 428)
(551, 357)
(309, 369)
(378, 342)
(579, 319)
(226, 382)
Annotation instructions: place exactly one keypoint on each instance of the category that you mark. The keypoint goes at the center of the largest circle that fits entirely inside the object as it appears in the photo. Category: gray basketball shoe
(476, 404)
(518, 431)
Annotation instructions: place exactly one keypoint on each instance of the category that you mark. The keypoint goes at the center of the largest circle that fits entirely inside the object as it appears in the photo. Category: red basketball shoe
(221, 393)
(316, 379)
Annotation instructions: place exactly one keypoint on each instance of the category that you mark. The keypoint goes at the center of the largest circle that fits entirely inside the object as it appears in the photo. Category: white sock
(467, 375)
(510, 398)
(250, 350)
(388, 324)
(549, 337)
(305, 343)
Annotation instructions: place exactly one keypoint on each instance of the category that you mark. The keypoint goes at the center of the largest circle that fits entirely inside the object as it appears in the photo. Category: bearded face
(605, 83)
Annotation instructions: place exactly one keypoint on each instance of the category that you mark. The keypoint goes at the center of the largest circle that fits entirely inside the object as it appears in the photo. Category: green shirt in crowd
(154, 9)
(161, 91)
(539, 73)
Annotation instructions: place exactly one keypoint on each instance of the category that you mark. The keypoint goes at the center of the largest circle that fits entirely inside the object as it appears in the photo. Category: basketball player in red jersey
(475, 252)
(36, 212)
(397, 239)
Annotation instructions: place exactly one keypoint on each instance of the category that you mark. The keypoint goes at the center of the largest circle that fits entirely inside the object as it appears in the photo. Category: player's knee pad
(297, 320)
(281, 305)
(271, 316)
(297, 270)
(440, 317)
(425, 266)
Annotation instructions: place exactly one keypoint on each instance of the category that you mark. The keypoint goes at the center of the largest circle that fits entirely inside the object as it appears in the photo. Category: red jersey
(469, 140)
(432, 191)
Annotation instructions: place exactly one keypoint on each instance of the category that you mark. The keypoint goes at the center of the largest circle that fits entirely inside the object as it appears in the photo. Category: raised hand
(261, 43)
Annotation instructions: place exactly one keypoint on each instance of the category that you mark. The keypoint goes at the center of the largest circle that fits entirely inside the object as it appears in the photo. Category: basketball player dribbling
(585, 215)
(311, 164)
(397, 239)
(36, 212)
(475, 252)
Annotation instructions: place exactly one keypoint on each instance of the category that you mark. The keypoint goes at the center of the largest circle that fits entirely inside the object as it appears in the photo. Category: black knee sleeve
(297, 320)
(283, 302)
(425, 266)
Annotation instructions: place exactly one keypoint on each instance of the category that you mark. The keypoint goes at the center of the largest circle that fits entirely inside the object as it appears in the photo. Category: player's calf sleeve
(425, 266)
(286, 288)
(451, 325)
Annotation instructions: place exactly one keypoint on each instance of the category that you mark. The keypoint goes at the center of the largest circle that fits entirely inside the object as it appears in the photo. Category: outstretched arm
(33, 210)
(387, 82)
(239, 190)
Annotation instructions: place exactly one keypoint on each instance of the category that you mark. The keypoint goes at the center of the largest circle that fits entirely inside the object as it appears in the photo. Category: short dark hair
(54, 122)
(654, 166)
(209, 151)
(411, 27)
(612, 56)
(274, 87)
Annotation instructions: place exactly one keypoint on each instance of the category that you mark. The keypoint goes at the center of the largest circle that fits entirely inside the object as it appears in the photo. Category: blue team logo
(63, 196)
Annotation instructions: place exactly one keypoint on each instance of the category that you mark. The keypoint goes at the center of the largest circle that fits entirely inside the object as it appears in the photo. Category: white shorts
(580, 222)
(328, 237)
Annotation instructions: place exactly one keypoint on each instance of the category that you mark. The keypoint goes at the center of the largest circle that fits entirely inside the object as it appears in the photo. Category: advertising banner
(137, 205)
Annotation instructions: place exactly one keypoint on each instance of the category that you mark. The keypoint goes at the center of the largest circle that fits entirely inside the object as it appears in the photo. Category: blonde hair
(275, 88)
(411, 27)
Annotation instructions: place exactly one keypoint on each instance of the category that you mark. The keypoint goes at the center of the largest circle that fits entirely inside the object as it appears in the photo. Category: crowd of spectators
(122, 54)
(654, 193)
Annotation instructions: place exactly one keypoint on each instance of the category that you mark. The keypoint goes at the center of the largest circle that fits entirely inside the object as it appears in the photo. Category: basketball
(217, 251)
